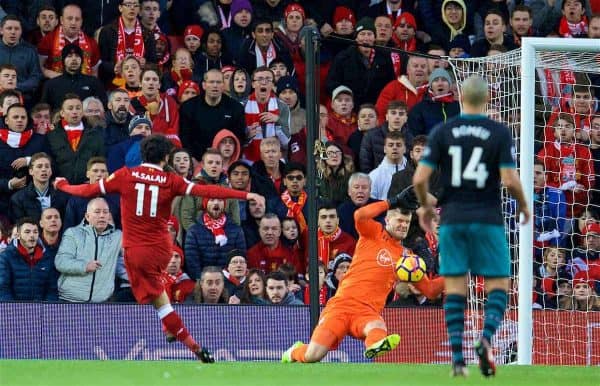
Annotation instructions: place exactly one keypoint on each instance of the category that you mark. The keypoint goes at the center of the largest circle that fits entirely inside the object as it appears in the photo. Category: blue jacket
(20, 282)
(428, 113)
(120, 154)
(25, 58)
(201, 250)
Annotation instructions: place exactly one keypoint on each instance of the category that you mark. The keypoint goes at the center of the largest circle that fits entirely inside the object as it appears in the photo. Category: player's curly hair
(155, 148)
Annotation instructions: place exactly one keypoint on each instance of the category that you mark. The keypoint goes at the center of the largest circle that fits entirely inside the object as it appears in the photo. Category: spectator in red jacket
(569, 166)
(269, 253)
(68, 32)
(342, 120)
(409, 88)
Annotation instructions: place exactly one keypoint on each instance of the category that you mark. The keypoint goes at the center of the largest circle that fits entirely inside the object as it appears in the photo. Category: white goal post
(529, 51)
(529, 88)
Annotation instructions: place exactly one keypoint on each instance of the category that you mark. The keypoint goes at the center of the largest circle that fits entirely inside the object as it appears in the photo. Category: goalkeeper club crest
(384, 258)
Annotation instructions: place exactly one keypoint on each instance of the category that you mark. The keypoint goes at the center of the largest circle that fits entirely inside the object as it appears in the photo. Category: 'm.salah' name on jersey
(470, 151)
(146, 195)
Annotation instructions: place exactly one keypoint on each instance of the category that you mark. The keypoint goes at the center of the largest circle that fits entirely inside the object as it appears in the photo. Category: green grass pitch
(177, 373)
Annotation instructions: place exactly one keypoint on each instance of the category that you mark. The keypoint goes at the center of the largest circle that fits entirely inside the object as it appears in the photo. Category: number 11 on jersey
(141, 192)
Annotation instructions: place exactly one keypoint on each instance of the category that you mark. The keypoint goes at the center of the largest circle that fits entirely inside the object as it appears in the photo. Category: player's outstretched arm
(215, 191)
(83, 190)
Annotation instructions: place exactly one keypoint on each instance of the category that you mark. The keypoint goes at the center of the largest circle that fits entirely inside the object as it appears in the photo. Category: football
(410, 268)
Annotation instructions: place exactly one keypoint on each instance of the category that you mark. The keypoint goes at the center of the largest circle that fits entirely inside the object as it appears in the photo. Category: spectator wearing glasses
(123, 37)
(266, 115)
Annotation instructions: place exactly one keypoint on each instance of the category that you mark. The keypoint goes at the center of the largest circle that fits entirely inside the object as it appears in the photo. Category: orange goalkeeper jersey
(372, 272)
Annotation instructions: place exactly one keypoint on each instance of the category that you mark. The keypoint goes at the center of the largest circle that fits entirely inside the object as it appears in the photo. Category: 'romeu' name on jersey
(470, 150)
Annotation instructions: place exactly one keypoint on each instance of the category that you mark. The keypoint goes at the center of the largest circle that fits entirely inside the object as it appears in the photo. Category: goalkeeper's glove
(406, 199)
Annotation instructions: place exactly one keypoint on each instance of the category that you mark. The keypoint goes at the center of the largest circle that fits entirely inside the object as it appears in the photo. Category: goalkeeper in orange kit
(356, 308)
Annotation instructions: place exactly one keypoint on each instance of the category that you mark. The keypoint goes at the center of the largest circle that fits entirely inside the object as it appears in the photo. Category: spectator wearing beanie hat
(362, 69)
(459, 47)
(288, 32)
(289, 92)
(437, 106)
(72, 80)
(343, 23)
(235, 272)
(405, 31)
(187, 90)
(178, 284)
(262, 49)
(337, 270)
(192, 36)
(127, 152)
(240, 28)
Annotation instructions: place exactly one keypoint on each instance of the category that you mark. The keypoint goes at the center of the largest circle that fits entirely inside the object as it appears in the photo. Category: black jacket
(348, 69)
(371, 149)
(247, 56)
(73, 164)
(8, 154)
(115, 132)
(25, 203)
(199, 122)
(83, 85)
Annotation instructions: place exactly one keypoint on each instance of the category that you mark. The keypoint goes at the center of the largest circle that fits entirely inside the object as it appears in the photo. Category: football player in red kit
(146, 195)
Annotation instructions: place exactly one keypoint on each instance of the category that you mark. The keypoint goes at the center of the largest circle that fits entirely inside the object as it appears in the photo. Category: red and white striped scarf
(264, 59)
(217, 227)
(60, 42)
(14, 139)
(138, 42)
(252, 112)
(569, 30)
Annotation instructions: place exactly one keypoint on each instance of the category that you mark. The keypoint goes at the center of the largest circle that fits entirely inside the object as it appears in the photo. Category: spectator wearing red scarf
(123, 37)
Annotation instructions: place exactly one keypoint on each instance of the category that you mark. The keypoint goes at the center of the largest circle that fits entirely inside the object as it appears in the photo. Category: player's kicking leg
(175, 328)
(377, 340)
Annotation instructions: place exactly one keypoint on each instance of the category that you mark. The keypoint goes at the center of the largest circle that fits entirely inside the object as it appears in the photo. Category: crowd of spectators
(83, 81)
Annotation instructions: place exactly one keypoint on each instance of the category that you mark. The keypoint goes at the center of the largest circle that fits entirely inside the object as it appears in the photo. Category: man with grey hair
(87, 256)
(359, 195)
(475, 155)
(93, 111)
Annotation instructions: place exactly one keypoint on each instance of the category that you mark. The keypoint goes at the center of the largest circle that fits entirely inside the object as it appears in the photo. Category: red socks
(174, 325)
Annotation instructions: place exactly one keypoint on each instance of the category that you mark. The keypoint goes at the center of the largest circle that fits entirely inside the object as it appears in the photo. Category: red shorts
(145, 266)
(343, 317)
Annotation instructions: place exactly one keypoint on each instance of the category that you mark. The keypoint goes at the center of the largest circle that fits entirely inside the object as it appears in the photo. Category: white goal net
(547, 94)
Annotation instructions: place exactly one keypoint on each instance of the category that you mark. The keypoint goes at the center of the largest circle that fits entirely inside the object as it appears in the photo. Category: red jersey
(146, 195)
(262, 257)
